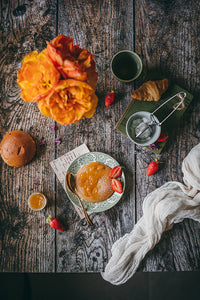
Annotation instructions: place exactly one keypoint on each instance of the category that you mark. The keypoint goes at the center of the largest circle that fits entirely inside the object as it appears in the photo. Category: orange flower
(72, 61)
(37, 77)
(41, 80)
(69, 102)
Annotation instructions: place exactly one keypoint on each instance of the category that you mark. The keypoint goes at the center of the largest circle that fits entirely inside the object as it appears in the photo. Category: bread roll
(17, 148)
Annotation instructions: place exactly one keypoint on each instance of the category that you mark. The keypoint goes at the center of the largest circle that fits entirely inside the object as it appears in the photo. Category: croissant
(151, 90)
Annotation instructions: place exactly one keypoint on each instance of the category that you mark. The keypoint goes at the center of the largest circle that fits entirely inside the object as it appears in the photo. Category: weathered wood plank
(167, 39)
(103, 28)
(178, 250)
(26, 243)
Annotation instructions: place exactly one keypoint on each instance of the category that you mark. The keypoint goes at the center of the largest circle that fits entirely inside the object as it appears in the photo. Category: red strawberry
(116, 185)
(55, 223)
(116, 172)
(110, 98)
(152, 168)
(163, 136)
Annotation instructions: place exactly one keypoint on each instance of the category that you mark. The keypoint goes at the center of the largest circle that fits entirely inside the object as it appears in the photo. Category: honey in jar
(37, 201)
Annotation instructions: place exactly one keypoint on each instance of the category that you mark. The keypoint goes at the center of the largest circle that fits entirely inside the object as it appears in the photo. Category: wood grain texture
(102, 27)
(167, 39)
(26, 243)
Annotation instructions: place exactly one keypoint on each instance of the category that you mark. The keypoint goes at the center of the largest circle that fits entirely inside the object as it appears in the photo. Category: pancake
(93, 183)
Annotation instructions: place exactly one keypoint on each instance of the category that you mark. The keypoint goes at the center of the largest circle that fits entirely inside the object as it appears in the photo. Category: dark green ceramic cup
(126, 65)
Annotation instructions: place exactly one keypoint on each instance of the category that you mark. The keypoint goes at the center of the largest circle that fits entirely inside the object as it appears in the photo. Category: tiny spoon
(71, 185)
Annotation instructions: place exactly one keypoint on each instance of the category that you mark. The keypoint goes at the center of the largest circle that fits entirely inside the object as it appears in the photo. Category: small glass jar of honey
(37, 201)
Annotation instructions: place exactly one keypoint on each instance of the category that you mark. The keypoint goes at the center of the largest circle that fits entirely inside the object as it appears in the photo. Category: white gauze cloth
(167, 205)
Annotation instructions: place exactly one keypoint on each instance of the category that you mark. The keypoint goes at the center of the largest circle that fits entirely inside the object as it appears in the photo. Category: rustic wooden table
(166, 36)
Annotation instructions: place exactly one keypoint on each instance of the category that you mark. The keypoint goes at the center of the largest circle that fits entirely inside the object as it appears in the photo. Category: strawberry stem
(48, 220)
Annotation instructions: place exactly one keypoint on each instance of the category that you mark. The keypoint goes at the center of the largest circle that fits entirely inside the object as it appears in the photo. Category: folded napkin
(167, 205)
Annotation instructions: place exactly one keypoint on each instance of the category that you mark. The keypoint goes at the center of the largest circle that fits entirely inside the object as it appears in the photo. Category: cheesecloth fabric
(167, 205)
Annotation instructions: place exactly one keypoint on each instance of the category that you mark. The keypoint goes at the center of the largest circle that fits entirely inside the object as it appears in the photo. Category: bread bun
(17, 148)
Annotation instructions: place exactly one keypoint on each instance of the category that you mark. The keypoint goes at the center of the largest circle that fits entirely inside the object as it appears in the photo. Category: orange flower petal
(63, 45)
(42, 105)
(37, 76)
(91, 112)
(92, 76)
(73, 69)
(70, 102)
(72, 61)
(66, 101)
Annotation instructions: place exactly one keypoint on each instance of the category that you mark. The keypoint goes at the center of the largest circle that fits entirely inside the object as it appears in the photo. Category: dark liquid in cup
(124, 66)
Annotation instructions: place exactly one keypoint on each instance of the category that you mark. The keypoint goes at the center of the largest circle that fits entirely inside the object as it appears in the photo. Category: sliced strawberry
(116, 185)
(152, 168)
(55, 223)
(116, 172)
(110, 98)
(163, 136)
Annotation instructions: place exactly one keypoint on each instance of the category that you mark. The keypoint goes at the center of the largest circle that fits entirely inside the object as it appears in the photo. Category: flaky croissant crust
(151, 90)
